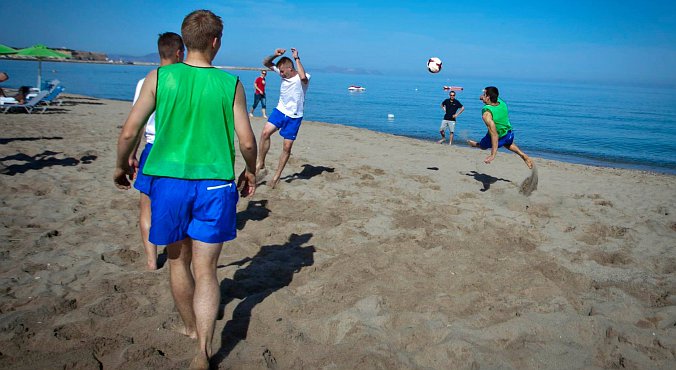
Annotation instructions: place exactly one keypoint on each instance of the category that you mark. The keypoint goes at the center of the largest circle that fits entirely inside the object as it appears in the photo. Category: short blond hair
(199, 29)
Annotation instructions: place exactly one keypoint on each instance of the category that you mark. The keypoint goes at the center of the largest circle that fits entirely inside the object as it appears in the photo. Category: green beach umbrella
(6, 50)
(41, 52)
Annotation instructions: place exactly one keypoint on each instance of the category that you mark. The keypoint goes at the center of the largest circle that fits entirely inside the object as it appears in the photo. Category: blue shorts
(204, 210)
(288, 126)
(143, 182)
(506, 140)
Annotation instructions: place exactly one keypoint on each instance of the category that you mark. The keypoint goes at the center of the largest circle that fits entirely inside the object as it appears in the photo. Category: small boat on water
(453, 88)
(356, 88)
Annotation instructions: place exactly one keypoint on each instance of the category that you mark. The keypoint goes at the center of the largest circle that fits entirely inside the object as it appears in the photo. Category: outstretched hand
(280, 51)
(489, 159)
(246, 184)
(294, 53)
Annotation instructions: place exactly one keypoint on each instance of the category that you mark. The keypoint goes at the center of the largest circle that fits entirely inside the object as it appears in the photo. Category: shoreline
(559, 157)
(390, 252)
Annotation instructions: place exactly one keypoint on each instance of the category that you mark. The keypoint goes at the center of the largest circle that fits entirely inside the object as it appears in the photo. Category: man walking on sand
(199, 110)
(452, 108)
(288, 114)
(496, 118)
(259, 94)
(170, 48)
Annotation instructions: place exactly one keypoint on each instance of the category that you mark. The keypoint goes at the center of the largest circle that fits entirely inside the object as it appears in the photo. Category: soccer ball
(434, 65)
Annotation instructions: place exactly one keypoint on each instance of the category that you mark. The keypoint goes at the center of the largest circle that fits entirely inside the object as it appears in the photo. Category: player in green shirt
(496, 118)
(199, 109)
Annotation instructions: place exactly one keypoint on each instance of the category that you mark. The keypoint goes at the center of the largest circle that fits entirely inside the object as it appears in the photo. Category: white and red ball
(434, 65)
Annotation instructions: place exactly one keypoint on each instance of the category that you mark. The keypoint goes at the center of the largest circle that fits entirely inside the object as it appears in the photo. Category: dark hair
(168, 43)
(199, 29)
(24, 90)
(492, 93)
(283, 61)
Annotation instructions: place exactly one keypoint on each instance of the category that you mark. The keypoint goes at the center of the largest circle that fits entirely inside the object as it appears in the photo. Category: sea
(612, 125)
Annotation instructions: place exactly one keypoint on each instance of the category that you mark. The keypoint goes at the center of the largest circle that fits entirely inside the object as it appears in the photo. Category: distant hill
(148, 58)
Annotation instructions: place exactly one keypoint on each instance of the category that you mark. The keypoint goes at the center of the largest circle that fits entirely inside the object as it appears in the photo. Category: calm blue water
(603, 125)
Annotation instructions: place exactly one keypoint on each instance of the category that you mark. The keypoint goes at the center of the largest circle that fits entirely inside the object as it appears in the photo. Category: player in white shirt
(288, 114)
(171, 49)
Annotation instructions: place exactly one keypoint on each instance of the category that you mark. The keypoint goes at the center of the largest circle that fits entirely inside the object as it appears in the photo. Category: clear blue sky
(633, 42)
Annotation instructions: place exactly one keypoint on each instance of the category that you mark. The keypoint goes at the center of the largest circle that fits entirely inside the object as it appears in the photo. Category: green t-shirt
(500, 117)
(194, 124)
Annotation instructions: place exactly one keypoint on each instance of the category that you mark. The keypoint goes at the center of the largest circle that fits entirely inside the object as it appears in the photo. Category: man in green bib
(496, 118)
(199, 109)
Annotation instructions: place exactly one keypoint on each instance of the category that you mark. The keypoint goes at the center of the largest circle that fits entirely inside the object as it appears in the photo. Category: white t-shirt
(292, 95)
(150, 125)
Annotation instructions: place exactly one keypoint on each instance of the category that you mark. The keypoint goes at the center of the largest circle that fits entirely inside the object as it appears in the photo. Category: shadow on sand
(40, 161)
(486, 180)
(12, 139)
(256, 210)
(271, 269)
(309, 171)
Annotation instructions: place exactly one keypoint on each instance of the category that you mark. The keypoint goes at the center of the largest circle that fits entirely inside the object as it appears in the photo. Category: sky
(605, 41)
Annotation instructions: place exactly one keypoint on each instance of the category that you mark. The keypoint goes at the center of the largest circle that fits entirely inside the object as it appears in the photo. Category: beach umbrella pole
(39, 75)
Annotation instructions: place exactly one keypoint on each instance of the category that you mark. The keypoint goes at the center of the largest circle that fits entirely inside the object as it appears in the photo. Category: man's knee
(268, 130)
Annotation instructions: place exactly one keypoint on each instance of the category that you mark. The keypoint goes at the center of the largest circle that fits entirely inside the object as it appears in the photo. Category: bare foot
(472, 143)
(179, 328)
(260, 174)
(250, 114)
(151, 265)
(440, 141)
(264, 116)
(200, 362)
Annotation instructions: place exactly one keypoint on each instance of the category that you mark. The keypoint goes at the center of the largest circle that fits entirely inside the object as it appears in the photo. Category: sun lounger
(30, 105)
(53, 94)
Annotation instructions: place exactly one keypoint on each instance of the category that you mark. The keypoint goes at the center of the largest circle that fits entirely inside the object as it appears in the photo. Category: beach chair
(29, 106)
(53, 94)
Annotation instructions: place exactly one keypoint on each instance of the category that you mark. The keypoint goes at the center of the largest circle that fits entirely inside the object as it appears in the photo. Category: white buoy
(390, 116)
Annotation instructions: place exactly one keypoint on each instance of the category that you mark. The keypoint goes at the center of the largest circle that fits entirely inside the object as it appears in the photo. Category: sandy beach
(374, 252)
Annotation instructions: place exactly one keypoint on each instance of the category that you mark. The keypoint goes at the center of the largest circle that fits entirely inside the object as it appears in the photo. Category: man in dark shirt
(453, 109)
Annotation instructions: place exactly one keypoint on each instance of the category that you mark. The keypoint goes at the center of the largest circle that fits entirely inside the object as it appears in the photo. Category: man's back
(194, 111)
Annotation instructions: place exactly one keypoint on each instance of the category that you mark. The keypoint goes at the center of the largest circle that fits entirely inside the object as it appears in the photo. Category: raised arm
(299, 67)
(268, 60)
(131, 131)
(247, 143)
(488, 120)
